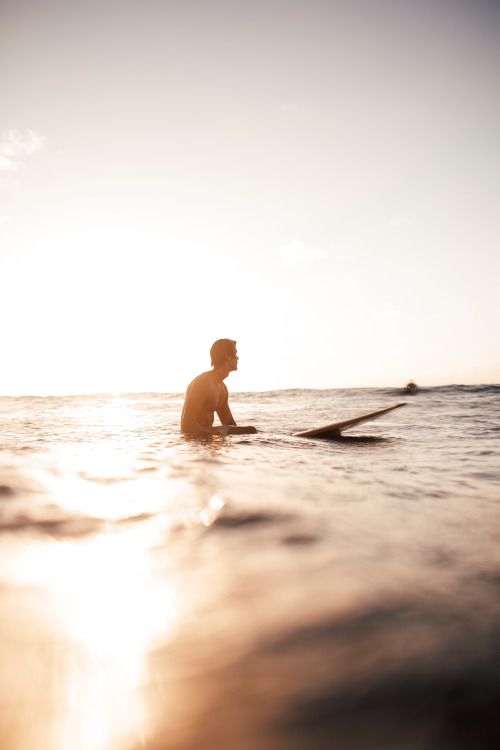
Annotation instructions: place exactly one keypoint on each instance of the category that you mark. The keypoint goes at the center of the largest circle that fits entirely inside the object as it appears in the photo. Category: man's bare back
(207, 394)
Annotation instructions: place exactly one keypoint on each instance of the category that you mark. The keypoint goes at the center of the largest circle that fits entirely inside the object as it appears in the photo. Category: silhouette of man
(208, 393)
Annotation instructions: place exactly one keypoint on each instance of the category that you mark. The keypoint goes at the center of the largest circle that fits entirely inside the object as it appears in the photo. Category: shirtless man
(207, 394)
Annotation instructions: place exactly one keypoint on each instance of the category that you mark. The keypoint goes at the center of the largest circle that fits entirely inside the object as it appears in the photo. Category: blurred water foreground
(118, 659)
(250, 592)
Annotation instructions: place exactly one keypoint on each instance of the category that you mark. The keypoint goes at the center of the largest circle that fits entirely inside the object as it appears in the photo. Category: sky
(318, 180)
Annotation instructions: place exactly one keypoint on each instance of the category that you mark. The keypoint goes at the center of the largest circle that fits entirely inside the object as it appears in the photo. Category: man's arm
(229, 425)
(224, 412)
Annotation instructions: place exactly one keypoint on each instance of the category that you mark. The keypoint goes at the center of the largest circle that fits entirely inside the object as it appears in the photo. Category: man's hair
(221, 349)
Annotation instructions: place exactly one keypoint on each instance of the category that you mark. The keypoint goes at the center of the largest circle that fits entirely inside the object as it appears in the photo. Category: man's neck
(220, 373)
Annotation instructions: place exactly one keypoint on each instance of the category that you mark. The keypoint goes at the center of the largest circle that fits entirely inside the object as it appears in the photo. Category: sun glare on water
(109, 612)
(84, 610)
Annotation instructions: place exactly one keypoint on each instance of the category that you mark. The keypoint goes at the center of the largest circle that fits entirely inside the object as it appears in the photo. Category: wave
(267, 394)
(461, 388)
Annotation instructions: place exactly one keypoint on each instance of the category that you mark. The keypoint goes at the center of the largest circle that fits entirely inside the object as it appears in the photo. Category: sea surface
(260, 592)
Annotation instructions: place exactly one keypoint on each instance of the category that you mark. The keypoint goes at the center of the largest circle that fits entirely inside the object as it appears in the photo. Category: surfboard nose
(336, 427)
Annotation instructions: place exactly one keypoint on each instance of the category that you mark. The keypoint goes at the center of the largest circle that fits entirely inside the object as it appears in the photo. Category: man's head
(223, 354)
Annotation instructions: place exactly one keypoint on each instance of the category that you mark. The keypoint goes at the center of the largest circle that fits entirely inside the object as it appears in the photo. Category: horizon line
(236, 393)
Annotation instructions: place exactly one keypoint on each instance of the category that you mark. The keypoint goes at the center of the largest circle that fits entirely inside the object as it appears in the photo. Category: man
(207, 394)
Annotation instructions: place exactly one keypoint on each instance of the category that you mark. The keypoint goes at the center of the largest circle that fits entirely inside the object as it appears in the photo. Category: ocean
(256, 592)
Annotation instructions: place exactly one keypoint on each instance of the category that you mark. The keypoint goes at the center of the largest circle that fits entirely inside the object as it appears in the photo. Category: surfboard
(334, 429)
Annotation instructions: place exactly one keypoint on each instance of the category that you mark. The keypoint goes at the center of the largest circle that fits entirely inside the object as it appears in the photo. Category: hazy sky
(318, 180)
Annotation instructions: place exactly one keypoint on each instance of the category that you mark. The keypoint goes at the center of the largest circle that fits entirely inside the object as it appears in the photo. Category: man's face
(232, 360)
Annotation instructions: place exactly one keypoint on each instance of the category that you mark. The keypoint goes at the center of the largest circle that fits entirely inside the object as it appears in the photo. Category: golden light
(107, 610)
(85, 612)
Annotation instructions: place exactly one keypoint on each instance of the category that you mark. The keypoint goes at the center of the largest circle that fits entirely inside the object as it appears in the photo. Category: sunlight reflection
(95, 606)
(211, 511)
(109, 610)
(121, 501)
(102, 481)
(99, 461)
(115, 412)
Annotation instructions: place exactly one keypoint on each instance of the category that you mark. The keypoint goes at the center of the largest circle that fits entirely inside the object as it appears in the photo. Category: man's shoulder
(201, 380)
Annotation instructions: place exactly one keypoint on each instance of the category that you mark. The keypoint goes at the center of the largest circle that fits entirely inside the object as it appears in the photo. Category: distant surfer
(411, 388)
(207, 394)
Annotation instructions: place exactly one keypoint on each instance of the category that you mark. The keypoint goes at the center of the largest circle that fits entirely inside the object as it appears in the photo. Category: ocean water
(251, 592)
